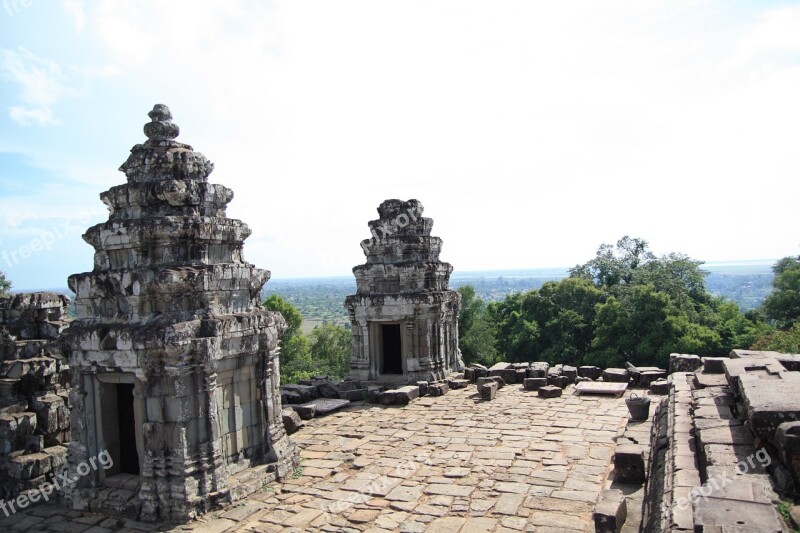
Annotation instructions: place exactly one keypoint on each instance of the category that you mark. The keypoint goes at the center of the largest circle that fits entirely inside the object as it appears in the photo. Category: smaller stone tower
(404, 315)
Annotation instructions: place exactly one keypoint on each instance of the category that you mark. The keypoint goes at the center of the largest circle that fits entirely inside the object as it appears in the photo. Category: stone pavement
(445, 464)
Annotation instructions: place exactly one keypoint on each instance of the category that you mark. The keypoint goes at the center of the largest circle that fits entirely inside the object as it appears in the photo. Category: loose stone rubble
(34, 389)
(174, 363)
(404, 316)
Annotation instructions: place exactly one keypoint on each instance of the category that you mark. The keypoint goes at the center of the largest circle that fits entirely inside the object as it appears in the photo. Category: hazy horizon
(542, 272)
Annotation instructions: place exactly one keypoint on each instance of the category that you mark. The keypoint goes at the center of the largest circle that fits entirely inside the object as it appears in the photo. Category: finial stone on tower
(161, 127)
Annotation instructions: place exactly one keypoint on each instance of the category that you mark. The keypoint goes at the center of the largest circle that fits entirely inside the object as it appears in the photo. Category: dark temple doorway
(392, 353)
(128, 455)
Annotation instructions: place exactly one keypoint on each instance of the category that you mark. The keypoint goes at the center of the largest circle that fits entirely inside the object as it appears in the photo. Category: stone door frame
(97, 439)
(375, 332)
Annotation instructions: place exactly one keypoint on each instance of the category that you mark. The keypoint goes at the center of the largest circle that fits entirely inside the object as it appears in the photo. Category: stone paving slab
(447, 464)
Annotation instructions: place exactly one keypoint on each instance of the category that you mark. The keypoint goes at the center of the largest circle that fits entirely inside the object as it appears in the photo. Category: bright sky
(531, 131)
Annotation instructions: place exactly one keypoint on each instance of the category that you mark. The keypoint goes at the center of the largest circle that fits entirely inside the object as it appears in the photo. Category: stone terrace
(449, 463)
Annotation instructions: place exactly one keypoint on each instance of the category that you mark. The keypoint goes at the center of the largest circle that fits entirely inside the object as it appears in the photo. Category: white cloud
(774, 38)
(40, 85)
(40, 116)
(76, 10)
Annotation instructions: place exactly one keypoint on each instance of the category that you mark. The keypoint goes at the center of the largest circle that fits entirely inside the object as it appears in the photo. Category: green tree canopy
(5, 285)
(563, 312)
(615, 266)
(625, 304)
(331, 348)
(293, 318)
(475, 331)
(783, 304)
(295, 355)
(471, 306)
(786, 341)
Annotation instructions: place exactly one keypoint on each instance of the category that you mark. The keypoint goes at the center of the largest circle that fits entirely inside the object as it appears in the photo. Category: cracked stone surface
(450, 463)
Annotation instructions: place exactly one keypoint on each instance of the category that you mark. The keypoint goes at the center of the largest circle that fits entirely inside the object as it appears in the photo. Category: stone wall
(34, 389)
(721, 459)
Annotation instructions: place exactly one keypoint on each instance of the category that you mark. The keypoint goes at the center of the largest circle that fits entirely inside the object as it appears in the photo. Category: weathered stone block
(401, 396)
(538, 370)
(714, 365)
(487, 379)
(550, 391)
(457, 383)
(58, 456)
(52, 414)
(753, 512)
(610, 512)
(660, 386)
(560, 381)
(375, 392)
(291, 421)
(469, 374)
(324, 406)
(305, 411)
(290, 397)
(29, 466)
(570, 372)
(679, 362)
(787, 438)
(423, 388)
(534, 383)
(355, 395)
(616, 375)
(629, 464)
(325, 388)
(649, 376)
(438, 389)
(488, 390)
(350, 384)
(735, 368)
(306, 392)
(770, 402)
(591, 372)
(509, 375)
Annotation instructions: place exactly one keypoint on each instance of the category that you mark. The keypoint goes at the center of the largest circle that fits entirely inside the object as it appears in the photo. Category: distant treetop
(5, 285)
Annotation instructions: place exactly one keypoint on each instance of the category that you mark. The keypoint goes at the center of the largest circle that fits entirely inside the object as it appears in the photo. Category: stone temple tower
(404, 315)
(174, 363)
